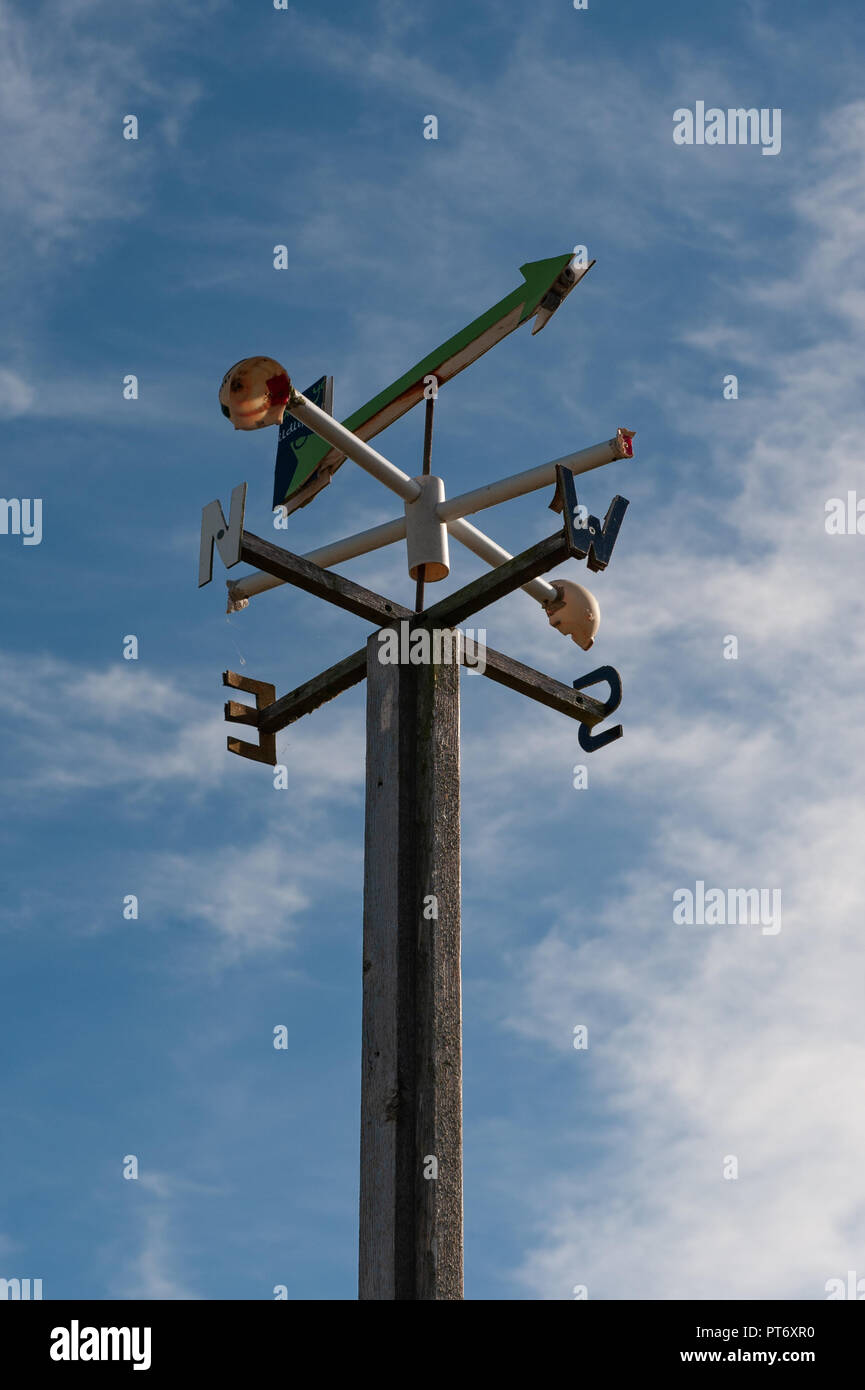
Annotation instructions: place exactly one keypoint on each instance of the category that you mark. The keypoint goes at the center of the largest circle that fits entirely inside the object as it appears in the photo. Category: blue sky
(155, 257)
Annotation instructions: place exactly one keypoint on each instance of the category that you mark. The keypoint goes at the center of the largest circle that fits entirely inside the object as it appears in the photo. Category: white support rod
(482, 546)
(326, 555)
(361, 544)
(385, 534)
(532, 478)
(451, 510)
(365, 541)
(348, 443)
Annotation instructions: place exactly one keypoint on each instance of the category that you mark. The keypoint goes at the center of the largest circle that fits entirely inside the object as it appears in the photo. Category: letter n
(228, 538)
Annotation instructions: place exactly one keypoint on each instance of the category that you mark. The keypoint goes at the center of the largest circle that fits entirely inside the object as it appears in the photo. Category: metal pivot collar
(426, 534)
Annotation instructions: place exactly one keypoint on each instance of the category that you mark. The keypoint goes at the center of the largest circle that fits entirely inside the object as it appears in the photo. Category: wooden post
(411, 1086)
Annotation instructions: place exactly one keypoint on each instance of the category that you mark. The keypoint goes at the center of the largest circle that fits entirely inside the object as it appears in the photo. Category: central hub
(426, 534)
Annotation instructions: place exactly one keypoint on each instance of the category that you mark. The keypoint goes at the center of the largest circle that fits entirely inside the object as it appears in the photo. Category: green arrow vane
(302, 474)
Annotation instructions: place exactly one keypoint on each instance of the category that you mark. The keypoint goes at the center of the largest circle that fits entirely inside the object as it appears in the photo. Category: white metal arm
(451, 511)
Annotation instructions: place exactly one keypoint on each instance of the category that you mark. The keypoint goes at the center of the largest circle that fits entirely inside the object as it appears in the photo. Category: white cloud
(64, 89)
(154, 1268)
(704, 1041)
(145, 738)
(16, 395)
(139, 733)
(7, 1247)
(253, 896)
(711, 1041)
(153, 1271)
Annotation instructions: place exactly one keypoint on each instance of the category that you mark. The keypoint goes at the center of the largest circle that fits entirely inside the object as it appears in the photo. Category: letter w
(593, 540)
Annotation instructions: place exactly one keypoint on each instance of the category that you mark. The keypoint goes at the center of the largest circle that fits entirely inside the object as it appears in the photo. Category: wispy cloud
(153, 1270)
(64, 90)
(123, 717)
(16, 394)
(254, 896)
(707, 1042)
(704, 1042)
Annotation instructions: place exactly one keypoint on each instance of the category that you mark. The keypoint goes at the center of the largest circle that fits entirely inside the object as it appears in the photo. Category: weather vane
(411, 1091)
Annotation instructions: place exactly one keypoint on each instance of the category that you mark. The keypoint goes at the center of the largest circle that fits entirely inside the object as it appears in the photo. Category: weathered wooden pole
(411, 1206)
(411, 1213)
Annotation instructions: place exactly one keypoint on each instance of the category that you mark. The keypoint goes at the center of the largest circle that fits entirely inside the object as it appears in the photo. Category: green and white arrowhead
(546, 284)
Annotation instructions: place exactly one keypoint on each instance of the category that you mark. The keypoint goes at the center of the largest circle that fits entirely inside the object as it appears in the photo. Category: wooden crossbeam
(304, 574)
(313, 693)
(504, 670)
(502, 580)
(354, 598)
(384, 612)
